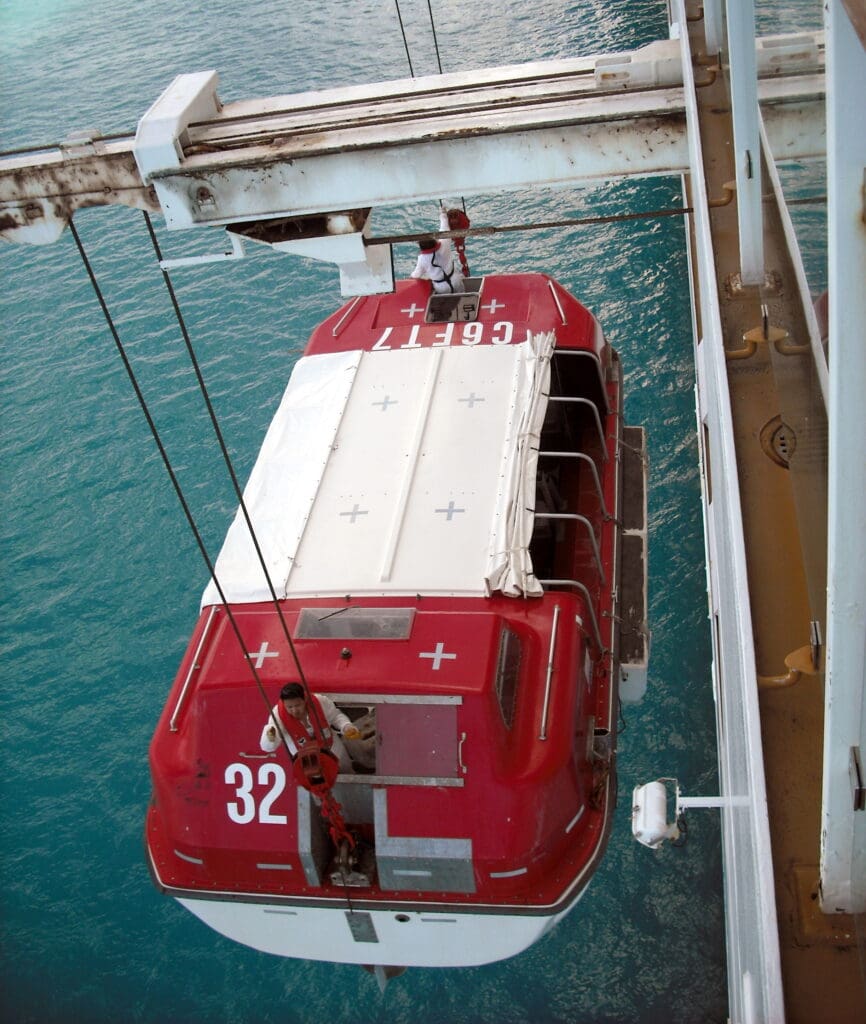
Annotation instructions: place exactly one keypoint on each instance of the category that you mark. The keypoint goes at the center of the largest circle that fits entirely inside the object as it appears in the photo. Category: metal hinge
(816, 642)
(858, 783)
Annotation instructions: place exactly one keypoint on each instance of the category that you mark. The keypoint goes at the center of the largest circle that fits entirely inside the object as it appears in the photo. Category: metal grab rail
(587, 600)
(592, 466)
(173, 720)
(589, 530)
(583, 353)
(592, 405)
(550, 655)
(335, 330)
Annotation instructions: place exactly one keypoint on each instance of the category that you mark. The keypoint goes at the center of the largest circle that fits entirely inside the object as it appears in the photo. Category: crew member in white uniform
(436, 262)
(293, 716)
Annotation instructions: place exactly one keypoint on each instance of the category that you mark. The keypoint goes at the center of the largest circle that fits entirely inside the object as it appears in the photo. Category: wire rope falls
(314, 777)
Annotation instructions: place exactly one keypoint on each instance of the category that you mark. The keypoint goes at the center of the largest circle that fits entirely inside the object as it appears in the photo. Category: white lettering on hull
(243, 810)
(500, 333)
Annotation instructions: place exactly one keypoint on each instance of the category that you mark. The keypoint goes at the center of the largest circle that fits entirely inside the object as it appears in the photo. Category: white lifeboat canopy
(407, 471)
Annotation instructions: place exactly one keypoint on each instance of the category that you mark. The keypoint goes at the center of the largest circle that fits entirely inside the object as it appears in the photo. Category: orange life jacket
(297, 729)
(315, 773)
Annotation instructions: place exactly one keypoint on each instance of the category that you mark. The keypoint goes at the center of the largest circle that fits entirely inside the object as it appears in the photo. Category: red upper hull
(511, 304)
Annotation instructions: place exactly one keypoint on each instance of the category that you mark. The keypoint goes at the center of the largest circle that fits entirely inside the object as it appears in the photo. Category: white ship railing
(754, 968)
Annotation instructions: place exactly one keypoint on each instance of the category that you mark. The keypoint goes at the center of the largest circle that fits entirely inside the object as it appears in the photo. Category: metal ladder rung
(592, 405)
(588, 601)
(583, 456)
(579, 519)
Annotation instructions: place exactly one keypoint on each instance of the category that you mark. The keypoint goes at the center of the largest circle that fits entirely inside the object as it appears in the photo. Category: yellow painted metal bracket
(798, 663)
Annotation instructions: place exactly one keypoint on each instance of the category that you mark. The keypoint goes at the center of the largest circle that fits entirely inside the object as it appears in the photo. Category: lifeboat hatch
(460, 307)
(420, 864)
(320, 860)
(399, 863)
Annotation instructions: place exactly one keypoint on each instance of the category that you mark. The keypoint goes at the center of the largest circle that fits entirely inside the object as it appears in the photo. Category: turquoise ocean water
(101, 579)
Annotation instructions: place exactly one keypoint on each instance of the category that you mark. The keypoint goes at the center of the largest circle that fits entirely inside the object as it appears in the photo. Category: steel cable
(318, 727)
(130, 372)
(185, 505)
(405, 42)
(435, 40)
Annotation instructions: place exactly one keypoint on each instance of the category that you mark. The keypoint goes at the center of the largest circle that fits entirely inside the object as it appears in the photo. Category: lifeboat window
(346, 623)
(507, 673)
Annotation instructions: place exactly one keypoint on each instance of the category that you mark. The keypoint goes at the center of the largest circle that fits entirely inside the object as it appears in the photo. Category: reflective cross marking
(493, 305)
(472, 399)
(438, 656)
(262, 653)
(450, 512)
(412, 310)
(356, 511)
(386, 401)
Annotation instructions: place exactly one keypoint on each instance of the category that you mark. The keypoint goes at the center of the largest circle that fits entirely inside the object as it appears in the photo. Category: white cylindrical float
(649, 815)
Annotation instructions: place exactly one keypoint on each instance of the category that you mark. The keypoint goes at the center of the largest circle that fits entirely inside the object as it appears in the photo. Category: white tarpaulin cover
(509, 568)
(409, 471)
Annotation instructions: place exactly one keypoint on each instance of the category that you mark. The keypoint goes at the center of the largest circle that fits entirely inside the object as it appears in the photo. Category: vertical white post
(714, 26)
(843, 830)
(747, 146)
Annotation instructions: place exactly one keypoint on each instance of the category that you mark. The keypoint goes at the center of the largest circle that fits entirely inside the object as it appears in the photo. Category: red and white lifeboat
(440, 505)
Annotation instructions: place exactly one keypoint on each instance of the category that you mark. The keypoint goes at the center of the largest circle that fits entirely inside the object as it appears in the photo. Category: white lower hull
(389, 937)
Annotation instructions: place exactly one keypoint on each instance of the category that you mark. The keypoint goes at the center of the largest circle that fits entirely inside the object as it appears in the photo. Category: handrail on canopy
(592, 466)
(579, 519)
(592, 405)
(587, 600)
(596, 362)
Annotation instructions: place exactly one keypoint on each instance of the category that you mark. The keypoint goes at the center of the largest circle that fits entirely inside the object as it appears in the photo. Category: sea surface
(101, 579)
